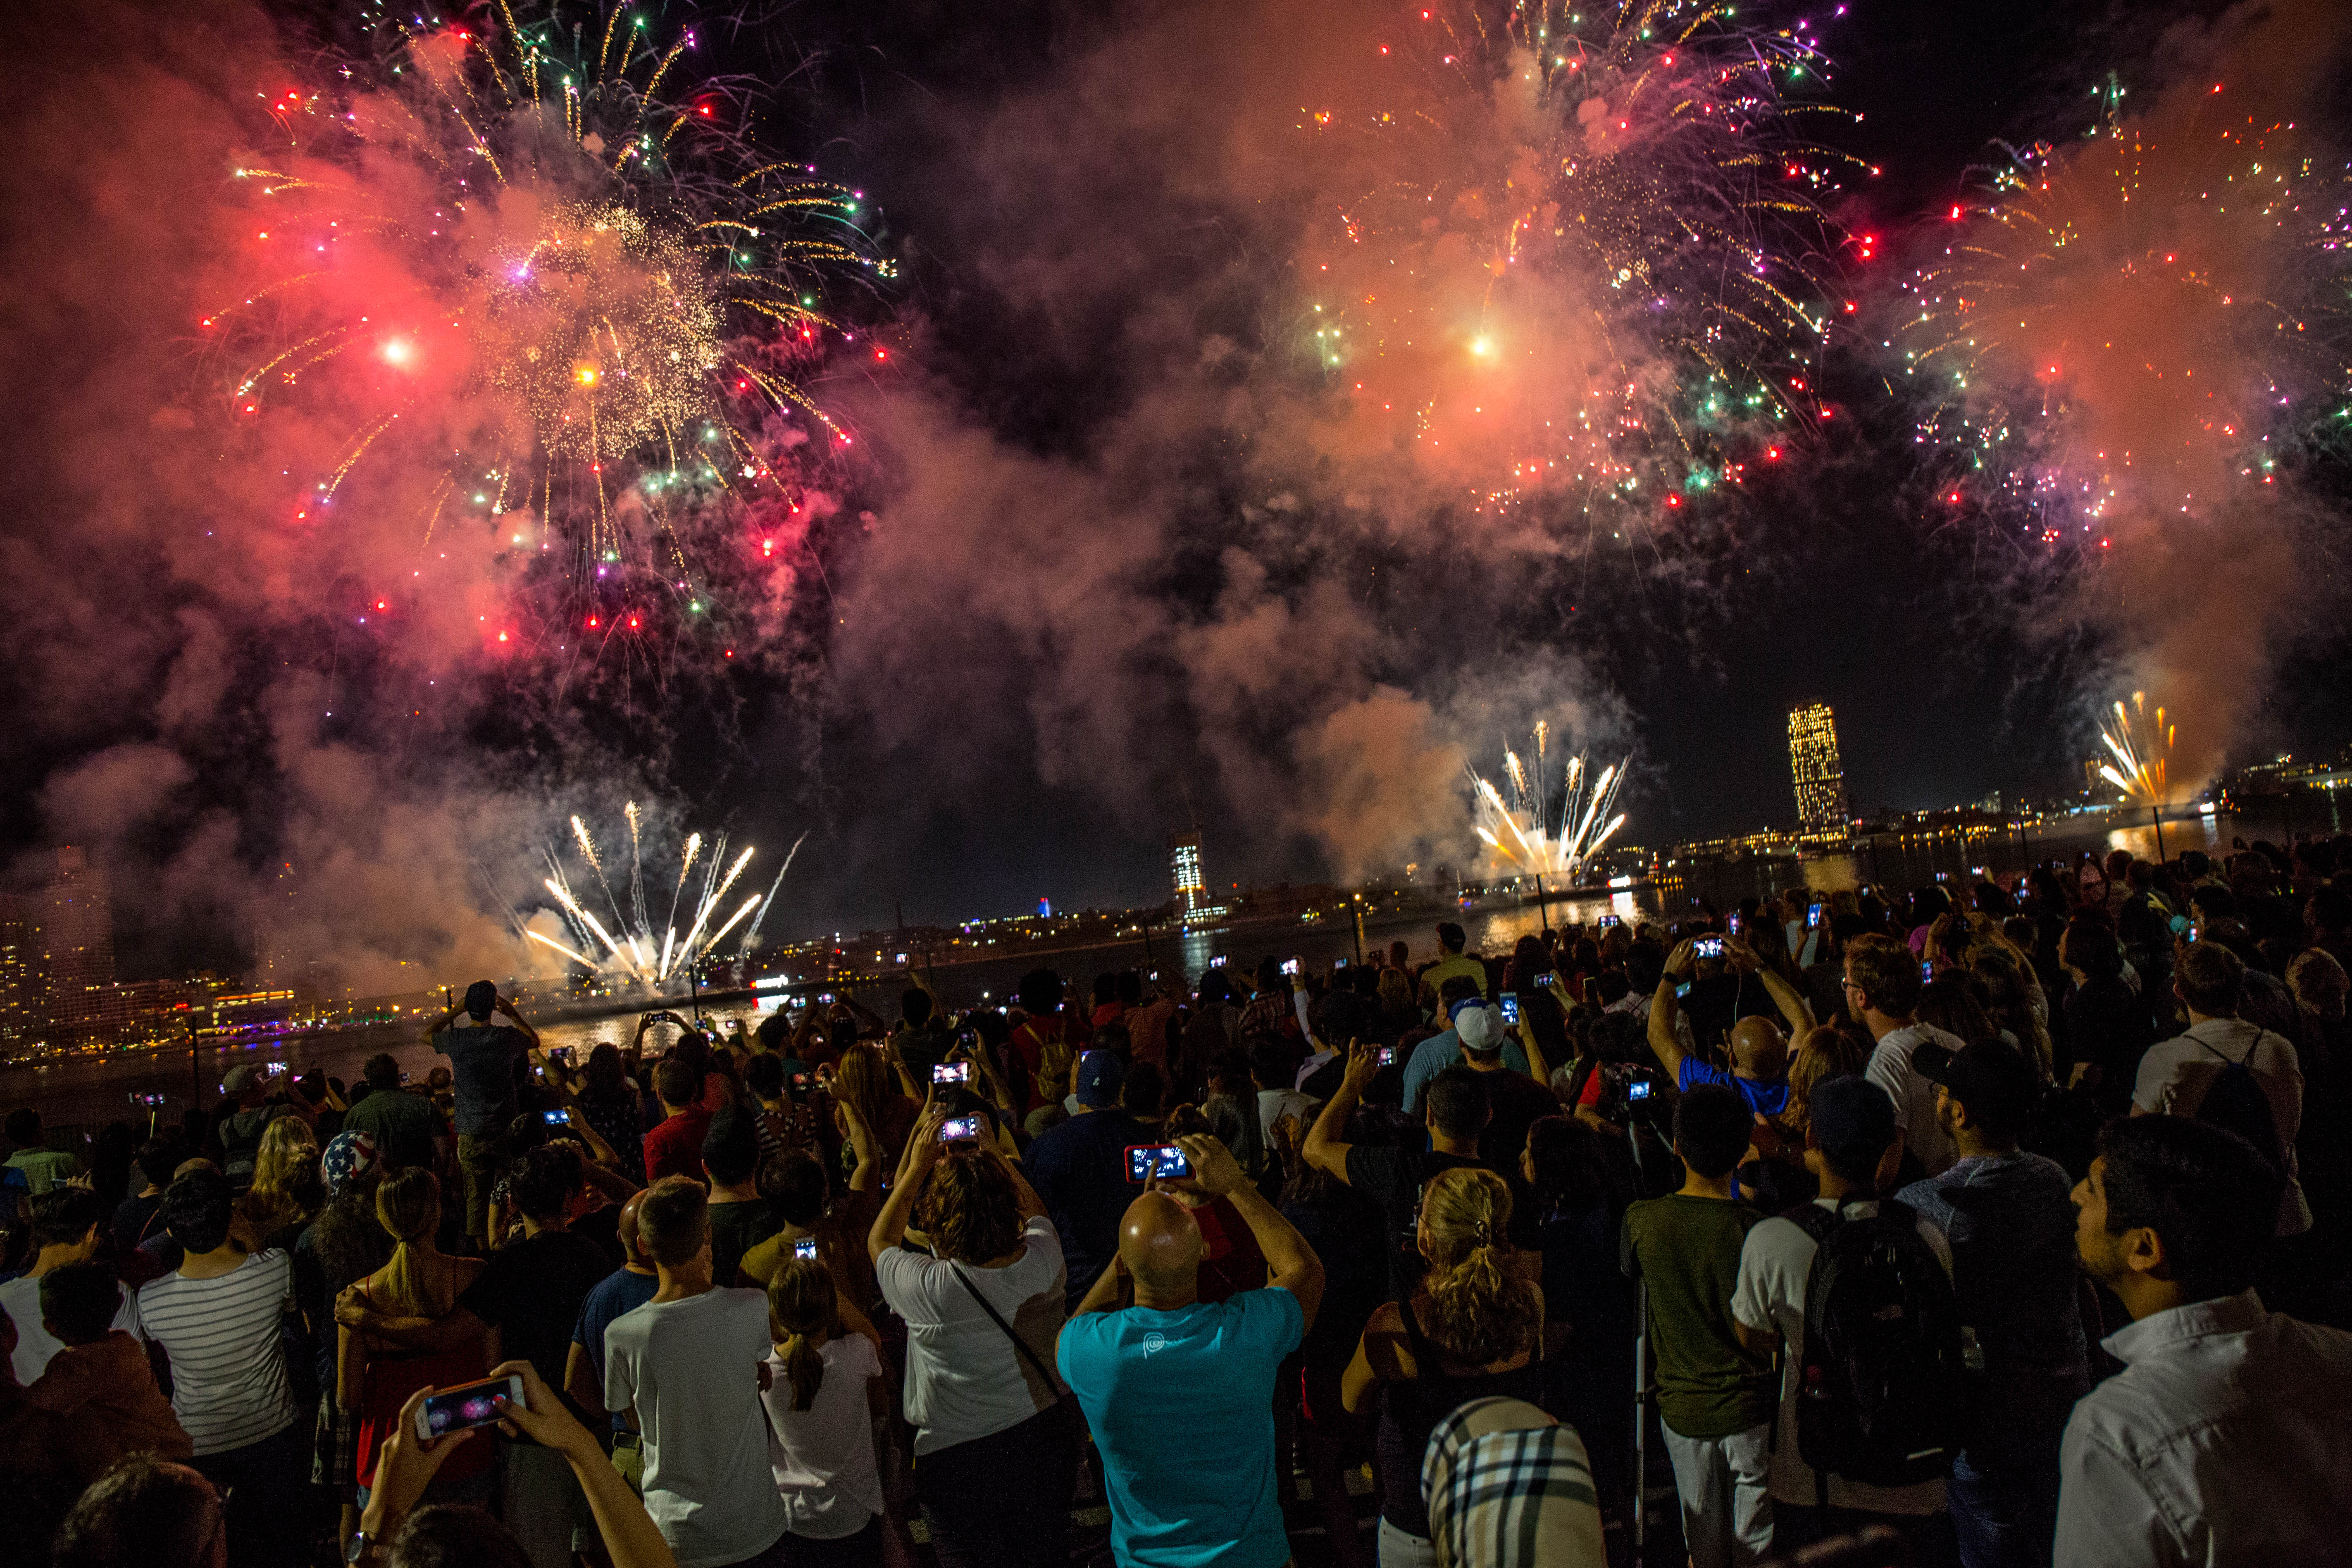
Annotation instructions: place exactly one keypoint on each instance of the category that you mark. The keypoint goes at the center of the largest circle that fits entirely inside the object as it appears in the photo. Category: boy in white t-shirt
(686, 1367)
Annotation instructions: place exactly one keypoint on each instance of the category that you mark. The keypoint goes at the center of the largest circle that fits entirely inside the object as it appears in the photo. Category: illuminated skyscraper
(1184, 867)
(78, 938)
(1813, 766)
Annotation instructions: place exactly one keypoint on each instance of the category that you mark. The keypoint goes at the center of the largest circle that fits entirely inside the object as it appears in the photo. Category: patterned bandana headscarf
(1510, 1488)
(348, 1154)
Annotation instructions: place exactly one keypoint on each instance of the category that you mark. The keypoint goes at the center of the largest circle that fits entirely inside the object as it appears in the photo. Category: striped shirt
(228, 1362)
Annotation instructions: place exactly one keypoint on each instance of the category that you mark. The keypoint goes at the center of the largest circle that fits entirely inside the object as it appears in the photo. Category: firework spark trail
(752, 932)
(596, 861)
(2144, 761)
(636, 866)
(634, 953)
(1584, 255)
(1538, 848)
(547, 296)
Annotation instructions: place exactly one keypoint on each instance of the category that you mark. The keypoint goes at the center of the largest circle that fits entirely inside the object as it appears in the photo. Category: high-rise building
(1813, 767)
(1184, 869)
(77, 939)
(24, 975)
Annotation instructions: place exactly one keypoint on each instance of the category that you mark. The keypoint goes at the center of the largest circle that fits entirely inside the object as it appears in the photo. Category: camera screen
(467, 1405)
(961, 1128)
(951, 1072)
(1387, 1058)
(1290, 966)
(1147, 1161)
(1707, 947)
(1638, 1089)
(804, 1247)
(1510, 1008)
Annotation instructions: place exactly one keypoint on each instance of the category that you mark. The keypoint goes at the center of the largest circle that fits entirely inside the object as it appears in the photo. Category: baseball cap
(1991, 1078)
(1852, 1115)
(481, 996)
(1100, 1073)
(1480, 1026)
(239, 1078)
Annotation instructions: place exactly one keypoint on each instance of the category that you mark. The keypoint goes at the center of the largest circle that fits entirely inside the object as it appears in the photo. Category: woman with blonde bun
(1471, 1330)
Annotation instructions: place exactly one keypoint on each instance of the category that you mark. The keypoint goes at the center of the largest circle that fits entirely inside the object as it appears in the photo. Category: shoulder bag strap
(1053, 1383)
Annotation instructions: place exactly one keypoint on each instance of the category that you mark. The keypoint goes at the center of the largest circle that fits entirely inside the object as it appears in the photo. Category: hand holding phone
(1385, 1055)
(466, 1406)
(1290, 966)
(1706, 947)
(963, 1130)
(1510, 1007)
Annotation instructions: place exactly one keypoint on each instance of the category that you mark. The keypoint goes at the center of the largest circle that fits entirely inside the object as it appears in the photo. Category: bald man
(624, 1289)
(1759, 1048)
(1178, 1391)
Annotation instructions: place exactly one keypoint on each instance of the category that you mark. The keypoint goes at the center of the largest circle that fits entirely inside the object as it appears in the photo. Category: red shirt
(675, 1148)
(1233, 1262)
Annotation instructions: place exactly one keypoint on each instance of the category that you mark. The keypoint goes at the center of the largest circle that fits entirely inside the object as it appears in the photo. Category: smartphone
(276, 1069)
(1943, 876)
(1734, 924)
(1339, 963)
(468, 1406)
(559, 1117)
(146, 1101)
(951, 1072)
(824, 998)
(963, 1128)
(1387, 1056)
(2195, 931)
(559, 1054)
(1510, 1007)
(1145, 1161)
(1290, 966)
(1217, 961)
(804, 1247)
(1640, 1089)
(800, 1080)
(1547, 979)
(1155, 978)
(1813, 913)
(1605, 921)
(1682, 991)
(1706, 947)
(406, 1079)
(1926, 969)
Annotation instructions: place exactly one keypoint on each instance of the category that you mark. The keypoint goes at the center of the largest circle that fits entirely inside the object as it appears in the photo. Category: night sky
(958, 766)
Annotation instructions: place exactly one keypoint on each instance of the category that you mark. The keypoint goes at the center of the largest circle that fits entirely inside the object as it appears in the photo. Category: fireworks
(1582, 255)
(2141, 749)
(2141, 325)
(531, 290)
(630, 950)
(1520, 832)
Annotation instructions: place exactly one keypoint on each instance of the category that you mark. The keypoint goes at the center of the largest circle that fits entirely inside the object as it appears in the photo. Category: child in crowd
(102, 1371)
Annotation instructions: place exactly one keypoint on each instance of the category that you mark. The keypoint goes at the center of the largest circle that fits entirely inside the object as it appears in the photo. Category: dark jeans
(272, 1511)
(2006, 1517)
(1002, 1501)
(863, 1550)
(1929, 1535)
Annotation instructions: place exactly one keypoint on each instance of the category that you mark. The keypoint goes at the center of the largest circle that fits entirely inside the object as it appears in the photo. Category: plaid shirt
(1268, 1012)
(1509, 1488)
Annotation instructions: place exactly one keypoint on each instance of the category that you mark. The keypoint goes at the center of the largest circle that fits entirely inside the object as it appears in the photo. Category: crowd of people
(1988, 1225)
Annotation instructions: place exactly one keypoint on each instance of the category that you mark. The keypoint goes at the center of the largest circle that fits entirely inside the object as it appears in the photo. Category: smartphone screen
(1547, 979)
(1145, 1161)
(1387, 1056)
(468, 1406)
(963, 1128)
(951, 1072)
(1339, 963)
(1707, 947)
(1510, 1008)
(559, 1117)
(1607, 920)
(1814, 916)
(1733, 925)
(1290, 966)
(1926, 969)
(804, 1247)
(1217, 961)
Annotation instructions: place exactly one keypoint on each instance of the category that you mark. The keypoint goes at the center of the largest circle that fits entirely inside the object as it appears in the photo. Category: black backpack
(1881, 1391)
(2235, 1103)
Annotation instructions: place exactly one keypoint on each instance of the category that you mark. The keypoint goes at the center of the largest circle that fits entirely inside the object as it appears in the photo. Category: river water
(86, 1094)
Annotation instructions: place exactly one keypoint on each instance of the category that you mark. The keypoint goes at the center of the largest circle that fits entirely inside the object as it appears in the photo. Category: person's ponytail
(800, 1304)
(1480, 1311)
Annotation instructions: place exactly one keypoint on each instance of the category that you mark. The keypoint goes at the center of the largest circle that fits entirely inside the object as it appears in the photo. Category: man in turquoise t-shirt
(1180, 1393)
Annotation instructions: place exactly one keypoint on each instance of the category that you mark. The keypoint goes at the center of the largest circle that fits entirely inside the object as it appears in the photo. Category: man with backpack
(2227, 1071)
(2010, 1223)
(1859, 1292)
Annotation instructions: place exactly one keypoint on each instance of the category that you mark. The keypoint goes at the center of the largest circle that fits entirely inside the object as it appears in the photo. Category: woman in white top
(995, 1454)
(825, 1389)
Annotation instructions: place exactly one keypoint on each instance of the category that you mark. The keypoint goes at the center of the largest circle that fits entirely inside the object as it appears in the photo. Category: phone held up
(1145, 1161)
(1385, 1055)
(1706, 947)
(1290, 966)
(951, 1072)
(1510, 1007)
(804, 1247)
(468, 1406)
(963, 1128)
